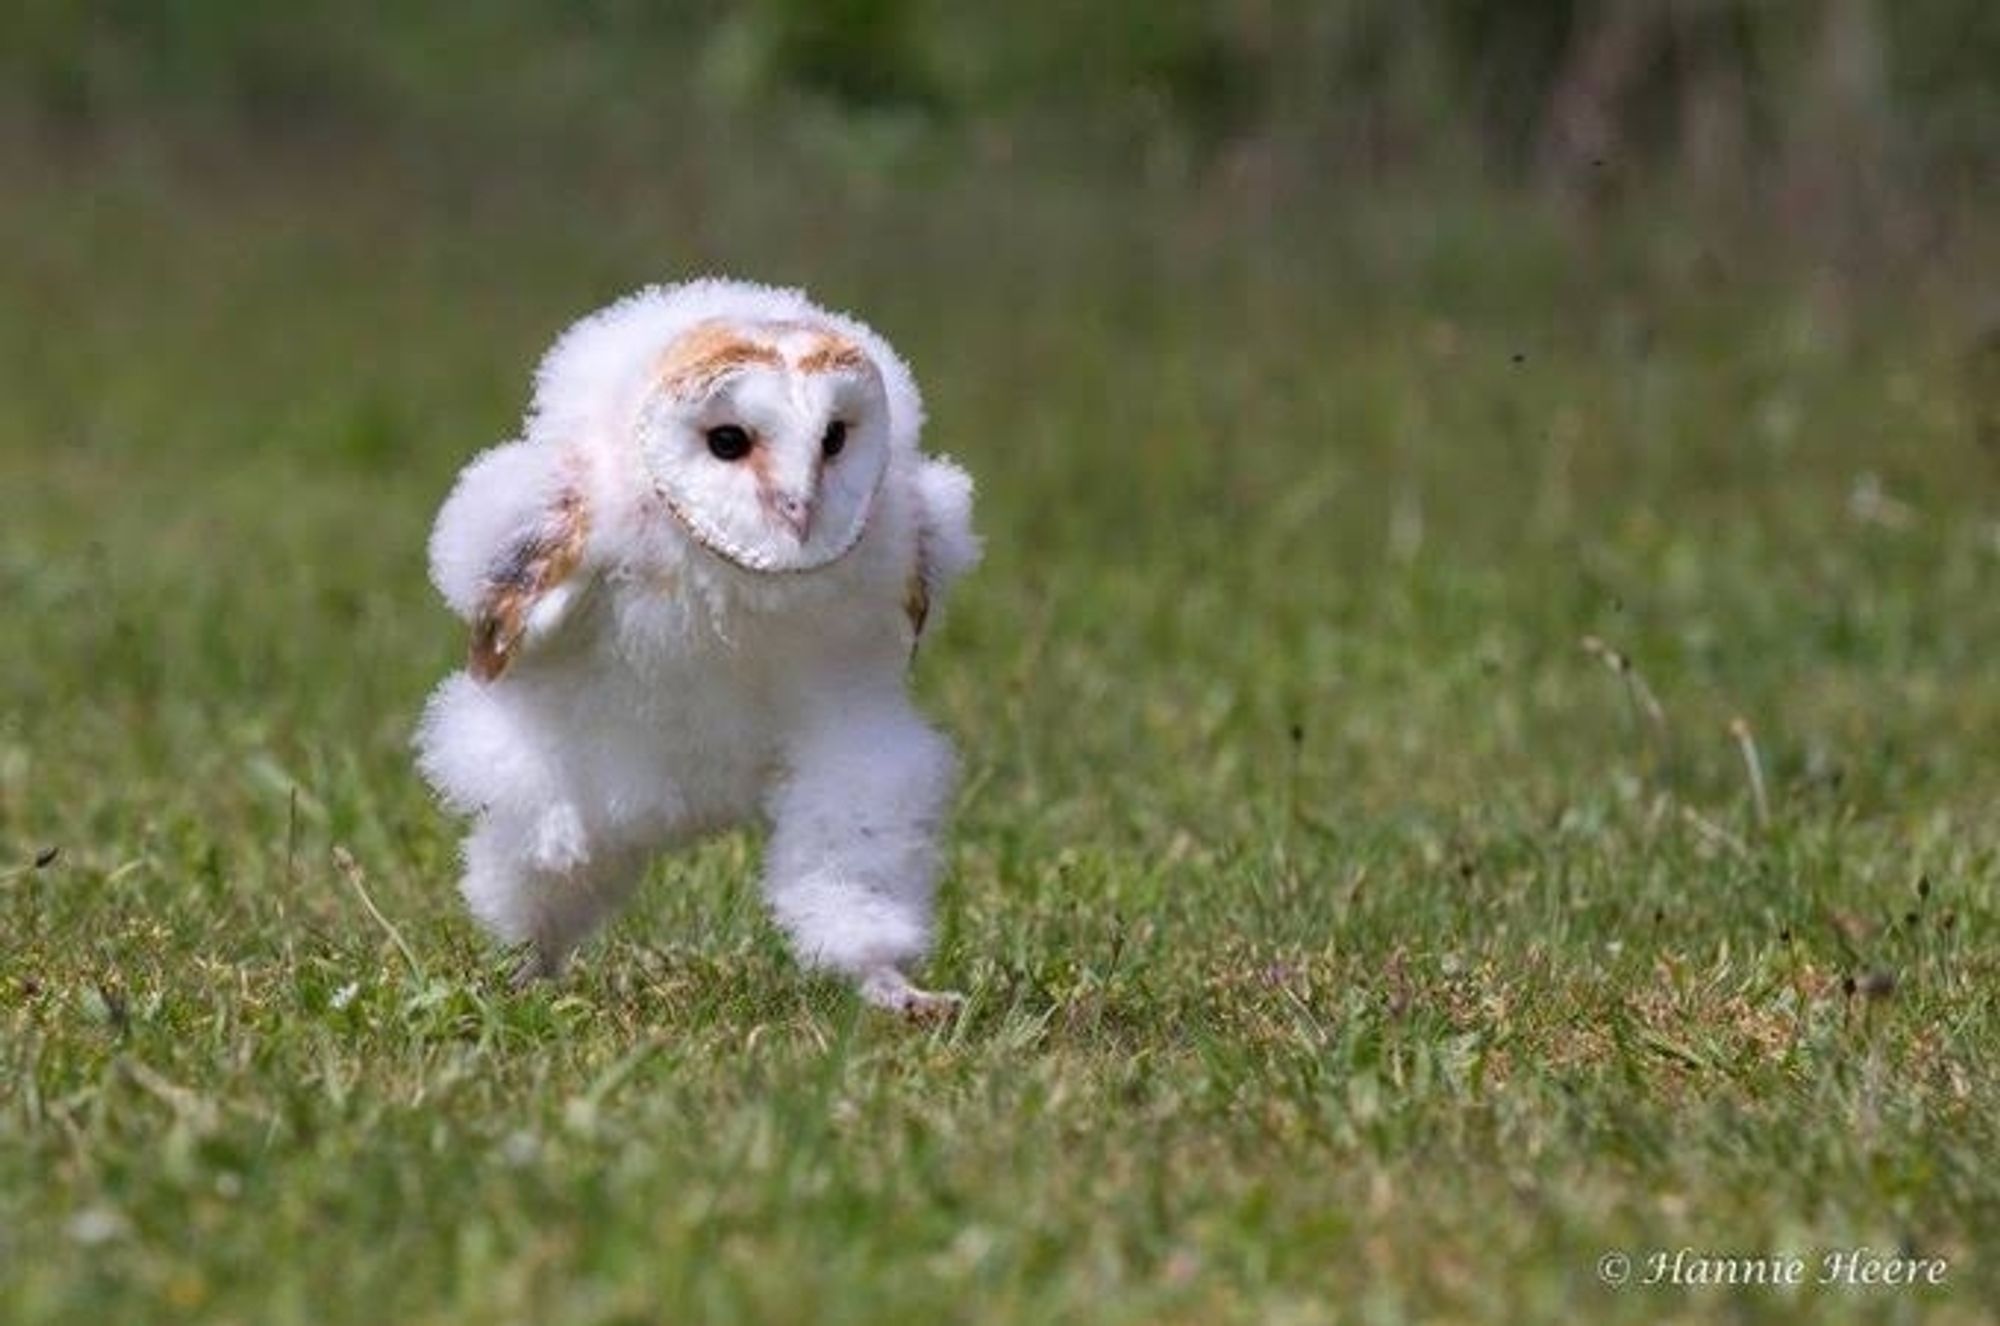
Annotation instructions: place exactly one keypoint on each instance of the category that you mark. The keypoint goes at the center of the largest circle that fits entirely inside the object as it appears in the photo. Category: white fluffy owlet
(694, 588)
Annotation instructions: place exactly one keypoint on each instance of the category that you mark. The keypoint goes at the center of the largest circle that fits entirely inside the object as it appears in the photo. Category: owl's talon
(534, 967)
(890, 990)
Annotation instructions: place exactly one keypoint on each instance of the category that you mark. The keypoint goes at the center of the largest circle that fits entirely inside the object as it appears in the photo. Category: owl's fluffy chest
(678, 697)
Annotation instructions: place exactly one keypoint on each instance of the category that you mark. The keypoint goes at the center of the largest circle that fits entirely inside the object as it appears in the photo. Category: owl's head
(766, 439)
(761, 421)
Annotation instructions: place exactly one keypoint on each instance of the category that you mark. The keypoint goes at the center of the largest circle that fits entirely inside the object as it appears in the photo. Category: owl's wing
(507, 548)
(946, 545)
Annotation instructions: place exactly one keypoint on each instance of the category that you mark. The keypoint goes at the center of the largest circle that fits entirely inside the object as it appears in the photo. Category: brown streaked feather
(526, 569)
(704, 354)
(917, 602)
(917, 596)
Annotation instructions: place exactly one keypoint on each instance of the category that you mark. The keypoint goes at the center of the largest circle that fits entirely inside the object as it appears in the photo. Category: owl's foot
(537, 964)
(888, 989)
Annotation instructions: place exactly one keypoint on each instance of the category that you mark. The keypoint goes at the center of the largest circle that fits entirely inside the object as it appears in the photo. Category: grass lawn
(1479, 744)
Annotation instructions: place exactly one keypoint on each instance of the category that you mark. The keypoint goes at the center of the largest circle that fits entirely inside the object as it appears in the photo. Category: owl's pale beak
(795, 513)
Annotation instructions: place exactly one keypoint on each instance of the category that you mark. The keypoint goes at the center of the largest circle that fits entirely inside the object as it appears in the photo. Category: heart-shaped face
(768, 441)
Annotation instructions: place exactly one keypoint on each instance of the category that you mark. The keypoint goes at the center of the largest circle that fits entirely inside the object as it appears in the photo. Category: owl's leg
(539, 881)
(853, 858)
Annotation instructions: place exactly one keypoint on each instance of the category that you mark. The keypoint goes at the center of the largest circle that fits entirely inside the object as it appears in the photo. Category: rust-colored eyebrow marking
(832, 354)
(525, 570)
(705, 354)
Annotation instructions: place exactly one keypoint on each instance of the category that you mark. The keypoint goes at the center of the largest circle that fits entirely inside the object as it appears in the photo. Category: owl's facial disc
(767, 442)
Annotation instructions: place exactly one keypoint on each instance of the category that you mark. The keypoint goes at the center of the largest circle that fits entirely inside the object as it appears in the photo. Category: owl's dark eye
(835, 439)
(728, 442)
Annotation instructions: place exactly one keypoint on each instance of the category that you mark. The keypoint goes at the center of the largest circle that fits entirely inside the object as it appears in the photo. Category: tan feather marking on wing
(706, 353)
(917, 596)
(526, 570)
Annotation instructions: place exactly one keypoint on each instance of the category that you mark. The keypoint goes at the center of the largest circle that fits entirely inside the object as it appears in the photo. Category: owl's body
(695, 587)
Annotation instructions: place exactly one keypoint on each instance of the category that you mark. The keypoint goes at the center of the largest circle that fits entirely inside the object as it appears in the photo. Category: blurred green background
(1823, 114)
